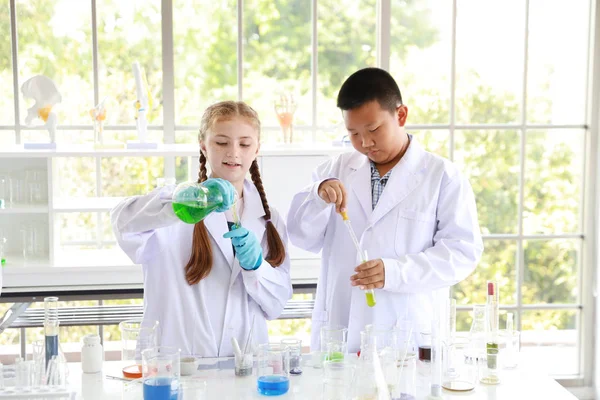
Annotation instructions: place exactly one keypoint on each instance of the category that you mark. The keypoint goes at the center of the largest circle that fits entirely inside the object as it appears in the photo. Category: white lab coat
(424, 228)
(150, 233)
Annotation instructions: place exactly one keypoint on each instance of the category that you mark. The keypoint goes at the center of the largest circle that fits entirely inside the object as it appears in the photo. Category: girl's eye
(244, 145)
(221, 144)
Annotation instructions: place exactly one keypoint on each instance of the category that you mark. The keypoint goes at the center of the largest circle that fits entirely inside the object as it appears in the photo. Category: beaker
(136, 336)
(4, 191)
(338, 377)
(192, 201)
(160, 369)
(488, 368)
(511, 348)
(334, 336)
(295, 347)
(273, 369)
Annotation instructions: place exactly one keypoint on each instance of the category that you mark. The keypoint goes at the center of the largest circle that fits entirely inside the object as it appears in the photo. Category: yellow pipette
(369, 293)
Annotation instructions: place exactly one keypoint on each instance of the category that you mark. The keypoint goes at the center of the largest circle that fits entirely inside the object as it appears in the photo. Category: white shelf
(86, 204)
(25, 209)
(109, 269)
(162, 150)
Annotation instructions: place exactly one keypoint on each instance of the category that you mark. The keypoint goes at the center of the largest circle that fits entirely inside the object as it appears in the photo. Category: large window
(499, 87)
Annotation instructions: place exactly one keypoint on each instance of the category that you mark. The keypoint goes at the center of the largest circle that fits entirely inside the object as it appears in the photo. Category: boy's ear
(401, 114)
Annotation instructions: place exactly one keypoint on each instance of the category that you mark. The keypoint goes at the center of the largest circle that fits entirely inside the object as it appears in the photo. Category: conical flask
(192, 201)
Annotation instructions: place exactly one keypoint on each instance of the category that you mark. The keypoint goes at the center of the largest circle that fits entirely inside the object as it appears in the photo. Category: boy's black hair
(369, 84)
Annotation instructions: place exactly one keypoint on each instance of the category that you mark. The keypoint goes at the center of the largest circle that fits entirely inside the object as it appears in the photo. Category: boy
(412, 211)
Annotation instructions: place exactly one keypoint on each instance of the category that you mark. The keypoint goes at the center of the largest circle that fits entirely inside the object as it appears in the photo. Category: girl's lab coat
(150, 233)
(424, 228)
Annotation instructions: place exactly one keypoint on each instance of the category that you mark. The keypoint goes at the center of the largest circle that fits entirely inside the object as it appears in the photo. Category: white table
(223, 385)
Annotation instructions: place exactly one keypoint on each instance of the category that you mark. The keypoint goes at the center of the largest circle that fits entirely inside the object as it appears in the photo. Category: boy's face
(376, 132)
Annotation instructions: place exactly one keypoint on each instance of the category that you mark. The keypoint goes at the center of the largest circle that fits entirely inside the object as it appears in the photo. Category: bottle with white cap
(91, 354)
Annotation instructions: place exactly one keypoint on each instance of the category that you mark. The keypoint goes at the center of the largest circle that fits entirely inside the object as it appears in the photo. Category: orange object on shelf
(132, 371)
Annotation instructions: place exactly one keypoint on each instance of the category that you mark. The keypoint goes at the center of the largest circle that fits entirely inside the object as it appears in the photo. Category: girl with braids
(206, 283)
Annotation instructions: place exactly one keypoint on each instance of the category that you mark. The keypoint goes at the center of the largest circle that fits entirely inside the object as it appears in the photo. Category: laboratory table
(222, 384)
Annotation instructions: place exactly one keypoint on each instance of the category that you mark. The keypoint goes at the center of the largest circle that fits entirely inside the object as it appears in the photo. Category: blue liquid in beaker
(159, 389)
(273, 385)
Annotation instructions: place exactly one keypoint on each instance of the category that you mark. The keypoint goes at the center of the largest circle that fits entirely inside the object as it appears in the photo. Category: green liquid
(3, 262)
(334, 356)
(370, 299)
(492, 348)
(192, 213)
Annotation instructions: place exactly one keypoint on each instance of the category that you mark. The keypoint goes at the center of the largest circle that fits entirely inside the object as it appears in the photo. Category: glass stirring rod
(369, 293)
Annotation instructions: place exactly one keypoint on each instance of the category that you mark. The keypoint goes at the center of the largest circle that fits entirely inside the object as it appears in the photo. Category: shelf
(86, 204)
(25, 209)
(173, 150)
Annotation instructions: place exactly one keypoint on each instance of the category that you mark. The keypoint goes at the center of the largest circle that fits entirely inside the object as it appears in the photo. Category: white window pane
(549, 341)
(55, 40)
(553, 181)
(435, 141)
(7, 138)
(557, 61)
(491, 162)
(75, 177)
(205, 51)
(421, 34)
(489, 61)
(346, 40)
(7, 108)
(277, 58)
(497, 263)
(551, 271)
(129, 31)
(129, 176)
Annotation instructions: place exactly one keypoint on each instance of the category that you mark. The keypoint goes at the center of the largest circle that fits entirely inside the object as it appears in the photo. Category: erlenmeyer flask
(477, 334)
(192, 202)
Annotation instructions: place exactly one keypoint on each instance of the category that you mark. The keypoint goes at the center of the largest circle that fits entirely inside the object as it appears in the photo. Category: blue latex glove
(247, 248)
(225, 188)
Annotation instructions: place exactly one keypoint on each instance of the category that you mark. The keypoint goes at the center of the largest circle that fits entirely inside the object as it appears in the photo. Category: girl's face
(230, 147)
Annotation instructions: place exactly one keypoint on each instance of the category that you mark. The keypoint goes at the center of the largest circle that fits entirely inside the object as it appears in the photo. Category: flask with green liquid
(192, 202)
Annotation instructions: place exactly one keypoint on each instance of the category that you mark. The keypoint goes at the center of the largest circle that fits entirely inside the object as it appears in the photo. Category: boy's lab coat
(150, 233)
(424, 228)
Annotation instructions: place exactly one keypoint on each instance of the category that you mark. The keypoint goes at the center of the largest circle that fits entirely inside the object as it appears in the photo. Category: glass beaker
(136, 336)
(192, 202)
(4, 191)
(488, 368)
(160, 369)
(334, 337)
(338, 377)
(511, 348)
(295, 347)
(273, 369)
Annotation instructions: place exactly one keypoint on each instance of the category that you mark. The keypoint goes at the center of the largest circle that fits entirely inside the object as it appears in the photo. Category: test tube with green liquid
(369, 293)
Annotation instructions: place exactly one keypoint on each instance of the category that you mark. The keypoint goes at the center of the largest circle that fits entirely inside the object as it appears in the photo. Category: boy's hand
(332, 191)
(369, 275)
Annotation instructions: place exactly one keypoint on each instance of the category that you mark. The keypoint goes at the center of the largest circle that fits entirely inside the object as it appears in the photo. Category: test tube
(51, 324)
(436, 356)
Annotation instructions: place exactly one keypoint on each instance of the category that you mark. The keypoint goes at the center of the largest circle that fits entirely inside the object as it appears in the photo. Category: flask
(192, 202)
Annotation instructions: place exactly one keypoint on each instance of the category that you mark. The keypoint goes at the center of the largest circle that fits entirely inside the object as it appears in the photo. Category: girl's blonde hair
(200, 263)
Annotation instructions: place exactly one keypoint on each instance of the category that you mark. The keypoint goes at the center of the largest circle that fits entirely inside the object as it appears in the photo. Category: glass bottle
(192, 201)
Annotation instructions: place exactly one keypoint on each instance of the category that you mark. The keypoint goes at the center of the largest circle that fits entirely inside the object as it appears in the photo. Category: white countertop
(223, 385)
